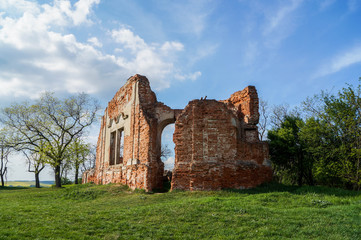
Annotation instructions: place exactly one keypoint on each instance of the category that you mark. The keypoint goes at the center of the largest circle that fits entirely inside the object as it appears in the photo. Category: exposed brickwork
(216, 142)
(209, 152)
(135, 112)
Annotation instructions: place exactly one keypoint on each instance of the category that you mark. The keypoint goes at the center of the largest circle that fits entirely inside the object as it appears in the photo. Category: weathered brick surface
(135, 112)
(209, 153)
(216, 142)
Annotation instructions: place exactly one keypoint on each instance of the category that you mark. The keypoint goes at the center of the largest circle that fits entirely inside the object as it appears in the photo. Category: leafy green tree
(56, 122)
(36, 160)
(287, 150)
(337, 140)
(323, 147)
(77, 154)
(90, 160)
(36, 163)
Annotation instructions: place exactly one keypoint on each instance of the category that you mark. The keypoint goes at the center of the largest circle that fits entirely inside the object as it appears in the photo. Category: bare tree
(263, 119)
(313, 106)
(165, 152)
(55, 122)
(5, 150)
(279, 112)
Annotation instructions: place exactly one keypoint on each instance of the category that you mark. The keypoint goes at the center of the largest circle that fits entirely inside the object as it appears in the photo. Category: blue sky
(188, 49)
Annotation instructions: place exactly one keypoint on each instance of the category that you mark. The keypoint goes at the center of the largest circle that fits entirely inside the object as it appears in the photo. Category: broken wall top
(147, 97)
(245, 105)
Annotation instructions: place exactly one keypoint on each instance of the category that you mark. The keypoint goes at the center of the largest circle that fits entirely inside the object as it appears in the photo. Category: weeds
(321, 203)
(81, 194)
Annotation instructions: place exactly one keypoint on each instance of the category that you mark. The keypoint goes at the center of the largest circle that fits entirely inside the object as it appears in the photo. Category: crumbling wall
(210, 153)
(135, 113)
(216, 142)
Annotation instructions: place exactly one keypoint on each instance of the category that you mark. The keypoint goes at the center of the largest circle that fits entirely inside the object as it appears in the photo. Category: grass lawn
(272, 211)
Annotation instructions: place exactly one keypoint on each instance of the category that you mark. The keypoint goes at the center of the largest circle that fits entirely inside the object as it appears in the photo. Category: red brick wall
(209, 152)
(216, 142)
(133, 108)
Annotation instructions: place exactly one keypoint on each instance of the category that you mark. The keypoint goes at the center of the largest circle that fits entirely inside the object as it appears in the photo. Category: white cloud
(172, 46)
(82, 10)
(18, 6)
(15, 86)
(36, 57)
(340, 62)
(169, 163)
(154, 60)
(192, 76)
(276, 20)
(190, 16)
(203, 51)
(39, 52)
(95, 42)
(265, 26)
(129, 39)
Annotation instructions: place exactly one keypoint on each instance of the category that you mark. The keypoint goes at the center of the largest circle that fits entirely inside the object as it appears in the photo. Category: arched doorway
(165, 146)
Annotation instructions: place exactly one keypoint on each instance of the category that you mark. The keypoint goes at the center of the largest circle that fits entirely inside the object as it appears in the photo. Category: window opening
(120, 146)
(112, 148)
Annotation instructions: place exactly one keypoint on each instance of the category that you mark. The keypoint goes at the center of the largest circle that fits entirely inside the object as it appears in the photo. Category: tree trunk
(311, 182)
(300, 169)
(358, 173)
(57, 176)
(299, 179)
(2, 172)
(76, 174)
(37, 182)
(2, 180)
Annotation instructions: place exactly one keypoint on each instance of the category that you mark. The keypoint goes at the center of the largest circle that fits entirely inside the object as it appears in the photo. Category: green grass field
(112, 212)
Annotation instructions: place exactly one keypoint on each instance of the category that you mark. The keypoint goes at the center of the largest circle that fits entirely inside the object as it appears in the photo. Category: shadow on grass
(273, 187)
(278, 187)
(166, 188)
(13, 188)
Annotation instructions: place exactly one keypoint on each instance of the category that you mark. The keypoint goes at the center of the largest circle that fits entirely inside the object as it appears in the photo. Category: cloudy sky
(288, 49)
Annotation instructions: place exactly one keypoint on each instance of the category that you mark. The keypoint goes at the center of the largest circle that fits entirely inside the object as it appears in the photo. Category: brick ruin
(216, 142)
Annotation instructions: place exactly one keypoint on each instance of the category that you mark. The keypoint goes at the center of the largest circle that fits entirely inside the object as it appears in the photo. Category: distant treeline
(28, 183)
